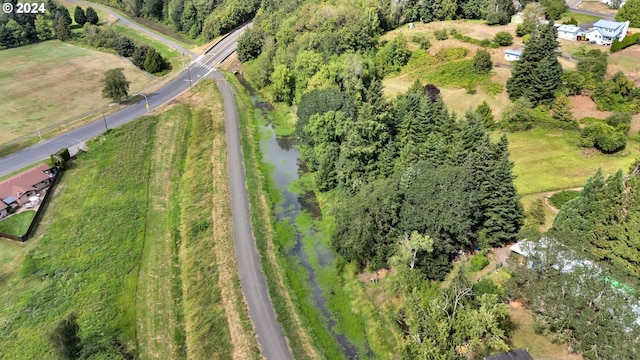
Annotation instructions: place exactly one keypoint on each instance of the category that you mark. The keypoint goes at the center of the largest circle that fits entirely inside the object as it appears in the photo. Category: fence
(24, 237)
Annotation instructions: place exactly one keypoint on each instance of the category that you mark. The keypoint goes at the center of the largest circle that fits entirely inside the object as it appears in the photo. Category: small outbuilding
(520, 354)
(512, 54)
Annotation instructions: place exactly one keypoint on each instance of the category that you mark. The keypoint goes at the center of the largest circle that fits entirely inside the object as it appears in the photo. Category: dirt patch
(635, 124)
(596, 6)
(583, 106)
(626, 61)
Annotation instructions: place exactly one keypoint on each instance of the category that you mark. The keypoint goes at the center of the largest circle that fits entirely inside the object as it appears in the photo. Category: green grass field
(50, 82)
(118, 255)
(548, 160)
(17, 224)
(581, 18)
(85, 255)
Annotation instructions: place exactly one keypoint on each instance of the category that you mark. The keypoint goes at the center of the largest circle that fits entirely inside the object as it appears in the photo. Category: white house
(569, 32)
(616, 4)
(605, 31)
(512, 55)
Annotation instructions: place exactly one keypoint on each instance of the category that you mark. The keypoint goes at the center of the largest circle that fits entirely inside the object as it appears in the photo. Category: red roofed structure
(17, 189)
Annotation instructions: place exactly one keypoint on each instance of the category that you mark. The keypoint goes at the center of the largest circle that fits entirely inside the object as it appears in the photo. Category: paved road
(203, 66)
(574, 6)
(126, 22)
(268, 330)
(270, 336)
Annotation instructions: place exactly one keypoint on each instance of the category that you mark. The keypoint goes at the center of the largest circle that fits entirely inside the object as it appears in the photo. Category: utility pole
(188, 72)
(105, 121)
(38, 127)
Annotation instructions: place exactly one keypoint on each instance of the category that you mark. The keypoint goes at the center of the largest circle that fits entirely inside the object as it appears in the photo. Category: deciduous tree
(116, 86)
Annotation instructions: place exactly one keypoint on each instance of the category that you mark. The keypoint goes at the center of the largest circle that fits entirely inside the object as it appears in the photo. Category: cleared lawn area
(547, 159)
(17, 224)
(538, 346)
(51, 82)
(581, 18)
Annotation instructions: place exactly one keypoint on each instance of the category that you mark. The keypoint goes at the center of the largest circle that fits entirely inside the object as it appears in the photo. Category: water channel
(280, 153)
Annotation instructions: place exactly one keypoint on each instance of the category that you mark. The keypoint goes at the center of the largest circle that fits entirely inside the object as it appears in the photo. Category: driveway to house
(574, 5)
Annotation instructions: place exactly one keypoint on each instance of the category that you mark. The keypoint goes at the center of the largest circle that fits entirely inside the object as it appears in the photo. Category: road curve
(574, 5)
(126, 22)
(271, 338)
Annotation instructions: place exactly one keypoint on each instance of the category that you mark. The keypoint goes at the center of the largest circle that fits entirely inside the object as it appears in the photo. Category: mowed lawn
(17, 224)
(548, 159)
(52, 82)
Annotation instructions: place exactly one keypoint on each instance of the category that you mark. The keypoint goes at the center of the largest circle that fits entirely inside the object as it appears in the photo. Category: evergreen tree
(364, 142)
(139, 56)
(92, 16)
(79, 16)
(42, 27)
(486, 115)
(537, 74)
(501, 209)
(482, 62)
(562, 108)
(154, 62)
(63, 32)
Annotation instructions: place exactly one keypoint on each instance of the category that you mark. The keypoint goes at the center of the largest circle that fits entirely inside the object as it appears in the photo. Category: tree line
(22, 29)
(195, 18)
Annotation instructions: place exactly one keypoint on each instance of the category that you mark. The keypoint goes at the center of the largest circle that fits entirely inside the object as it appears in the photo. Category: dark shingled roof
(521, 354)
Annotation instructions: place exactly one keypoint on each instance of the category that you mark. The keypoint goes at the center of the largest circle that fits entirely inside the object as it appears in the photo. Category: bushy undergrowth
(560, 198)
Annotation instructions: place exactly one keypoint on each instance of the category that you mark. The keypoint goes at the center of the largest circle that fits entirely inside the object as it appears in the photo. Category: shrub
(571, 21)
(487, 286)
(625, 43)
(470, 89)
(139, 56)
(537, 212)
(441, 34)
(603, 137)
(503, 38)
(560, 198)
(518, 116)
(493, 88)
(421, 41)
(498, 18)
(479, 262)
(124, 46)
(620, 121)
(453, 31)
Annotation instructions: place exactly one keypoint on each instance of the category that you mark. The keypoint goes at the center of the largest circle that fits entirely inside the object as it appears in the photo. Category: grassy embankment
(67, 86)
(216, 316)
(121, 255)
(84, 257)
(286, 286)
(17, 224)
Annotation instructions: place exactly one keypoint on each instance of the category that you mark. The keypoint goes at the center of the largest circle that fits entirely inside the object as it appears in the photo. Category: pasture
(50, 83)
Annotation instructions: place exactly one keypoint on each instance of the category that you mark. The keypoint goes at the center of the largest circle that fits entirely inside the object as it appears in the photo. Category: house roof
(572, 29)
(3, 205)
(513, 52)
(520, 354)
(608, 24)
(23, 181)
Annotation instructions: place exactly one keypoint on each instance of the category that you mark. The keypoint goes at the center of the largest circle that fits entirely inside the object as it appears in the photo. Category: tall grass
(206, 322)
(84, 257)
